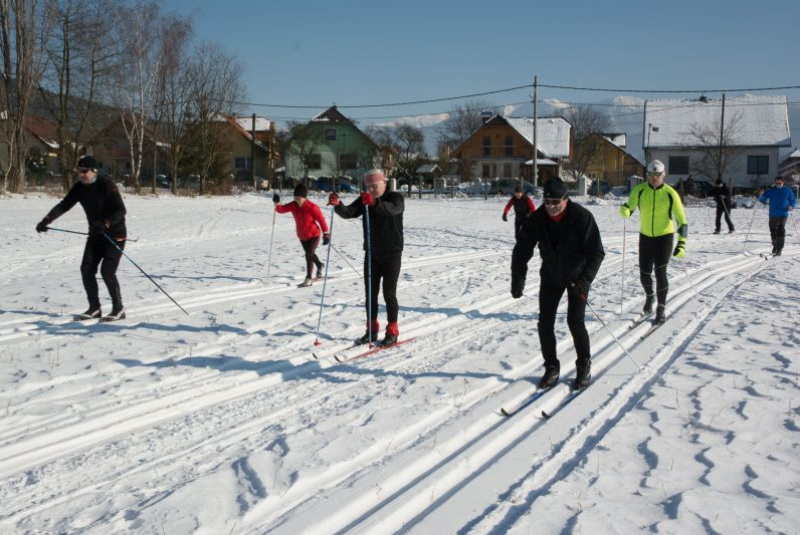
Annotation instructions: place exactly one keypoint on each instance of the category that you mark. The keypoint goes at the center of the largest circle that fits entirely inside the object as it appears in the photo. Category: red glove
(366, 199)
(333, 200)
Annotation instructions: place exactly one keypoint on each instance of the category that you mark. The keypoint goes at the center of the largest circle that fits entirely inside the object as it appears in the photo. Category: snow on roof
(246, 122)
(620, 140)
(541, 161)
(552, 134)
(760, 120)
(427, 168)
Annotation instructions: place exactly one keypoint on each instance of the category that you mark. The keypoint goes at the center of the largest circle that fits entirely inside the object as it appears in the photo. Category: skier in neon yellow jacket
(658, 203)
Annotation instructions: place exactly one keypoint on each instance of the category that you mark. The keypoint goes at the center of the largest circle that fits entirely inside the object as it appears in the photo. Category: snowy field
(224, 422)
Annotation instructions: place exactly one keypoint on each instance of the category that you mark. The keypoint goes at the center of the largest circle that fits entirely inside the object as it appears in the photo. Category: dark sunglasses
(553, 201)
(82, 170)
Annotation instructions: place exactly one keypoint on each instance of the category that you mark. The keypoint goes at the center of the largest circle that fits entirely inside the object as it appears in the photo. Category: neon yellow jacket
(657, 208)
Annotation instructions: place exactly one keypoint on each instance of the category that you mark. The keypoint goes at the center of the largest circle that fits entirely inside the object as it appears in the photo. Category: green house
(330, 145)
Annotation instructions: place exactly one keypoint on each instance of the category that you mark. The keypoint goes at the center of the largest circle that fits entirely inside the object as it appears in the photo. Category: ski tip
(505, 412)
(338, 358)
(545, 415)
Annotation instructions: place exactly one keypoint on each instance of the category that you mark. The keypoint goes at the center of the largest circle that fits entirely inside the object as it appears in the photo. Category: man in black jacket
(722, 196)
(386, 248)
(105, 213)
(571, 250)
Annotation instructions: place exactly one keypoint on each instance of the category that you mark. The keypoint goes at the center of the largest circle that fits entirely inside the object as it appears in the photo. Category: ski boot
(660, 316)
(117, 313)
(90, 314)
(582, 378)
(550, 377)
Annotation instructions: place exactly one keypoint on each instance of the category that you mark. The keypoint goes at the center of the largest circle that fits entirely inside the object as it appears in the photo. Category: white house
(685, 135)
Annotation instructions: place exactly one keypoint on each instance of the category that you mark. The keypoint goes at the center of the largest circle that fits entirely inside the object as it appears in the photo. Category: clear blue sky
(368, 52)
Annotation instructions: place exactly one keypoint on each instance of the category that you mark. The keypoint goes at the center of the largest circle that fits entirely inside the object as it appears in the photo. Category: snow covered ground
(223, 421)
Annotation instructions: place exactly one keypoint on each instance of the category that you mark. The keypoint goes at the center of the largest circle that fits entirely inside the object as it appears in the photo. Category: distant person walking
(658, 203)
(781, 201)
(523, 207)
(572, 251)
(384, 211)
(722, 196)
(309, 220)
(105, 213)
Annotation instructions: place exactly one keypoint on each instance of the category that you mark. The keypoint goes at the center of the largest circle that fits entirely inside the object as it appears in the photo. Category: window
(757, 165)
(347, 161)
(485, 171)
(330, 134)
(678, 165)
(487, 146)
(506, 170)
(509, 145)
(241, 162)
(314, 161)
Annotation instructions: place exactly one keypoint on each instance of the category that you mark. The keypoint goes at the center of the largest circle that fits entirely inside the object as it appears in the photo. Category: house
(610, 161)
(685, 135)
(790, 167)
(42, 145)
(503, 148)
(112, 150)
(330, 144)
(243, 148)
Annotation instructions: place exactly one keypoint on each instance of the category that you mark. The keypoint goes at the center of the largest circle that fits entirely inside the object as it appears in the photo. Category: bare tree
(585, 120)
(463, 120)
(381, 154)
(214, 91)
(717, 154)
(79, 58)
(409, 145)
(304, 143)
(22, 25)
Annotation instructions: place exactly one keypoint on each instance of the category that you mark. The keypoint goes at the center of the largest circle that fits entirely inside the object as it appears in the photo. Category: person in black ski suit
(386, 247)
(572, 251)
(105, 213)
(523, 207)
(722, 196)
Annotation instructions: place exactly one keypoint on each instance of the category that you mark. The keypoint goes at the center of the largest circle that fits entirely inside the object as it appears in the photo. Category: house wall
(349, 140)
(241, 147)
(501, 165)
(736, 169)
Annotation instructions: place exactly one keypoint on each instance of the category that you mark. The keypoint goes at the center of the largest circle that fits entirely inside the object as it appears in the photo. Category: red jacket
(306, 217)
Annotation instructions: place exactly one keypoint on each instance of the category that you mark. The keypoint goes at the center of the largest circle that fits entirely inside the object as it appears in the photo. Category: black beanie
(555, 189)
(87, 162)
(301, 191)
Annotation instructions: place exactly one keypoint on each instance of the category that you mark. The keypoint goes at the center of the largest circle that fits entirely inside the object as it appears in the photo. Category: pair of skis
(643, 318)
(509, 412)
(370, 350)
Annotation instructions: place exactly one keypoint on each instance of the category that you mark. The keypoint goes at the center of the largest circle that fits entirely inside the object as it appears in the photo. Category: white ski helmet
(656, 166)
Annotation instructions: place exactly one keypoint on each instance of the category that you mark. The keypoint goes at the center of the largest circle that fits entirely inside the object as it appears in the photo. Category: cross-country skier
(572, 251)
(386, 247)
(105, 213)
(722, 196)
(523, 207)
(658, 203)
(781, 200)
(309, 220)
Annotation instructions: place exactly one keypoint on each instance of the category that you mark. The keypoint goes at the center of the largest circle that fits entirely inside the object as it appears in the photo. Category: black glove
(276, 198)
(97, 228)
(326, 239)
(580, 285)
(505, 216)
(517, 285)
(42, 226)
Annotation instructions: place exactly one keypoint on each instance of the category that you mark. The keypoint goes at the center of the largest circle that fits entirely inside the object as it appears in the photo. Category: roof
(761, 120)
(552, 134)
(234, 121)
(246, 122)
(331, 115)
(46, 131)
(620, 140)
(427, 168)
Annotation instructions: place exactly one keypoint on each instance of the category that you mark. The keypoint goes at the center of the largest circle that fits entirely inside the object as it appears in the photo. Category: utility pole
(721, 141)
(253, 154)
(535, 156)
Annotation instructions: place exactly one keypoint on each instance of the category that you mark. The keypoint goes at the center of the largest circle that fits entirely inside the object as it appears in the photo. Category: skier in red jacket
(309, 220)
(523, 207)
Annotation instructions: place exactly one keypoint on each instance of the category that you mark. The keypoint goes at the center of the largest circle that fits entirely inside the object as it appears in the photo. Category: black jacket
(722, 196)
(571, 249)
(385, 223)
(100, 200)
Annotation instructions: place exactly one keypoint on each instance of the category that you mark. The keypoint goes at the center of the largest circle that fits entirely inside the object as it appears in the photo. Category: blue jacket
(779, 201)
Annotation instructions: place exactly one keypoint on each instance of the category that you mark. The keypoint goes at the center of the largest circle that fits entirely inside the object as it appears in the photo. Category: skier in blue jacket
(781, 200)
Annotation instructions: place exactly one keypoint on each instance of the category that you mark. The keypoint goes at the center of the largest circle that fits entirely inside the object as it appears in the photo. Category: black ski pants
(549, 297)
(388, 270)
(310, 247)
(723, 209)
(98, 249)
(654, 253)
(777, 231)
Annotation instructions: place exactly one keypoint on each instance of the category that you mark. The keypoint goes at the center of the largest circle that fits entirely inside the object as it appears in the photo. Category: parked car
(340, 184)
(605, 188)
(506, 186)
(702, 189)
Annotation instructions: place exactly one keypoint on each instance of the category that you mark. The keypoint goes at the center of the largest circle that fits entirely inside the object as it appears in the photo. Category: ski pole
(106, 236)
(271, 236)
(325, 279)
(747, 237)
(85, 233)
(335, 250)
(622, 293)
(369, 277)
(686, 272)
(586, 300)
